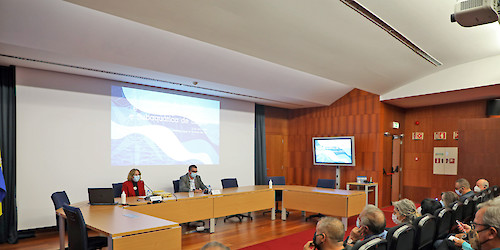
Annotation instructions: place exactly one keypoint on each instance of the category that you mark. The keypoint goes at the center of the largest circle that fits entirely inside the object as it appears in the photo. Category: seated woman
(134, 186)
(447, 198)
(404, 212)
(428, 206)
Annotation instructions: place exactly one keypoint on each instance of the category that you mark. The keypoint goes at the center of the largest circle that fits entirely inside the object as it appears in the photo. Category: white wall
(63, 143)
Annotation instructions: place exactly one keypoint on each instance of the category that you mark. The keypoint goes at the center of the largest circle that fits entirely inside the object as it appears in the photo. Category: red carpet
(298, 240)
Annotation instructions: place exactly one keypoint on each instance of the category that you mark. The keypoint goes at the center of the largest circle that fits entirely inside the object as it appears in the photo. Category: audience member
(462, 188)
(214, 245)
(485, 233)
(134, 186)
(328, 235)
(447, 198)
(404, 211)
(481, 184)
(370, 223)
(428, 206)
(191, 181)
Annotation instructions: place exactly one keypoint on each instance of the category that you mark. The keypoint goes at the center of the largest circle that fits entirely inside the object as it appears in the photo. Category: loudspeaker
(493, 107)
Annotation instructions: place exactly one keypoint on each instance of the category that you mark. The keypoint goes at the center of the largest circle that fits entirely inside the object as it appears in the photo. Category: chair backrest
(444, 222)
(229, 183)
(59, 199)
(495, 191)
(277, 180)
(371, 244)
(425, 227)
(469, 209)
(77, 232)
(117, 189)
(326, 183)
(176, 185)
(458, 210)
(400, 237)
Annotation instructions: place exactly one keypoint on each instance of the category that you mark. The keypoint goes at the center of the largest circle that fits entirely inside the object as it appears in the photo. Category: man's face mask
(317, 245)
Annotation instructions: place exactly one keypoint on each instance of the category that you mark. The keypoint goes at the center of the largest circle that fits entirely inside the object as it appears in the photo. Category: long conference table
(157, 225)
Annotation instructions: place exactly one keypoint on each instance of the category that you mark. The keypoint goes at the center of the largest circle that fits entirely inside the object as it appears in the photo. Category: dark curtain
(260, 146)
(8, 220)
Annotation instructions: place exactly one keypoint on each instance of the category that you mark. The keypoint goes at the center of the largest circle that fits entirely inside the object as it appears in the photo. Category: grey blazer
(184, 183)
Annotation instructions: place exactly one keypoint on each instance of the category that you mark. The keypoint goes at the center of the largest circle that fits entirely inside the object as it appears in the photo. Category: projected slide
(155, 128)
(333, 151)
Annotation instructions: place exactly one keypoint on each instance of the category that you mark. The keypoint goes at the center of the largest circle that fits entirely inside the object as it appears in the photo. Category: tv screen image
(334, 151)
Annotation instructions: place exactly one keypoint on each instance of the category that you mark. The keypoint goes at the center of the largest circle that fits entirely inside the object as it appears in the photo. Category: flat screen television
(334, 151)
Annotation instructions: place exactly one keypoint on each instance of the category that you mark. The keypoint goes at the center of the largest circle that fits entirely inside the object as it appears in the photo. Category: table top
(117, 221)
(318, 190)
(362, 184)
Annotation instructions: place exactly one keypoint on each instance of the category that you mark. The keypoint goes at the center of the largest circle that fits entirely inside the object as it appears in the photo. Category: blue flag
(3, 190)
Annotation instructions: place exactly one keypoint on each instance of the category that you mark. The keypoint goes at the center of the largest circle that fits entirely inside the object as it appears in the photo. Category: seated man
(191, 181)
(481, 184)
(370, 223)
(329, 235)
(462, 188)
(485, 233)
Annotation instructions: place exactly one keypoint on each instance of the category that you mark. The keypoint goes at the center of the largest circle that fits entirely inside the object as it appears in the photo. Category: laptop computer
(101, 196)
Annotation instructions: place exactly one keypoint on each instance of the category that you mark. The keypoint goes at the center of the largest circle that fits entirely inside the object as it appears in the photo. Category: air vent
(393, 32)
(470, 4)
(152, 79)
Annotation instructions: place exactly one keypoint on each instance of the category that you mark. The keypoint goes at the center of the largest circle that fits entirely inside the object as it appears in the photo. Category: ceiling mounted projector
(471, 13)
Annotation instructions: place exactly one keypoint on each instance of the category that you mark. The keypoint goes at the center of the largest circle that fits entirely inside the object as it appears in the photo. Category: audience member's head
(428, 206)
(486, 233)
(481, 185)
(448, 198)
(373, 219)
(329, 234)
(214, 245)
(462, 186)
(404, 211)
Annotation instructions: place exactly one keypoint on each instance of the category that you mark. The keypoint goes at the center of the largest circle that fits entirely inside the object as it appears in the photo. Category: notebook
(101, 196)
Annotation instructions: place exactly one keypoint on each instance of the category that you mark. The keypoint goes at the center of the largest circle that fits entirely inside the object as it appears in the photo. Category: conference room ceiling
(283, 53)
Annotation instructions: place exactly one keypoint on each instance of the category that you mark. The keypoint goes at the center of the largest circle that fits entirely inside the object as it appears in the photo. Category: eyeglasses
(474, 225)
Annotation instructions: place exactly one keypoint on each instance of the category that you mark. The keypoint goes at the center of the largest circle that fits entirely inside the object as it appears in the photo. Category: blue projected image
(156, 128)
(334, 151)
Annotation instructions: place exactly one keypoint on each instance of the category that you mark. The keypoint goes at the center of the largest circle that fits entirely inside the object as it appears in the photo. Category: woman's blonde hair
(131, 174)
(406, 208)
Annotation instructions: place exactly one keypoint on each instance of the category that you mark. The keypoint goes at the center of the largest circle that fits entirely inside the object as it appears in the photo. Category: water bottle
(270, 183)
(124, 198)
(209, 189)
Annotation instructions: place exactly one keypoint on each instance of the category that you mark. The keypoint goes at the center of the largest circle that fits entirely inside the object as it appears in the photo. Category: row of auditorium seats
(427, 229)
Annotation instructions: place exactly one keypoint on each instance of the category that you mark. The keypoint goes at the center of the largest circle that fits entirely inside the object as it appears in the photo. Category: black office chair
(59, 199)
(117, 189)
(230, 183)
(322, 183)
(425, 227)
(77, 232)
(469, 210)
(278, 194)
(400, 237)
(371, 244)
(176, 185)
(444, 222)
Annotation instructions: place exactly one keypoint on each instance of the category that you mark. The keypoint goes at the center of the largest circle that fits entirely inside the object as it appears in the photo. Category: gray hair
(373, 218)
(214, 245)
(333, 228)
(463, 183)
(407, 208)
(491, 215)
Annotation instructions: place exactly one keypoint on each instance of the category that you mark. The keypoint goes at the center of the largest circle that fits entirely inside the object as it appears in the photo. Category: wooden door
(396, 166)
(275, 158)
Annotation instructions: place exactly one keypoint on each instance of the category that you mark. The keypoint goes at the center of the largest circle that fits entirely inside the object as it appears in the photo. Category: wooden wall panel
(418, 178)
(358, 113)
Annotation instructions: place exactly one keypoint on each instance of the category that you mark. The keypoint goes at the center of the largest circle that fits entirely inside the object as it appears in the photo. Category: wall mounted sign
(417, 135)
(455, 135)
(439, 135)
(445, 160)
